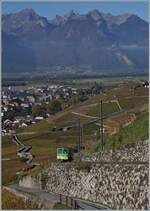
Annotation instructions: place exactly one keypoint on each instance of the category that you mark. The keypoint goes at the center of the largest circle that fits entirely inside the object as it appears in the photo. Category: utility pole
(99, 132)
(101, 125)
(79, 141)
(80, 133)
(82, 136)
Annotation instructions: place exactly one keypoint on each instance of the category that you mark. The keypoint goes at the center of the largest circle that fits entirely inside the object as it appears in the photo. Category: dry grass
(9, 170)
(13, 202)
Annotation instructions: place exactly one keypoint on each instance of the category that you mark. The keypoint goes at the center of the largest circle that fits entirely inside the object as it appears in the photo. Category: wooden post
(66, 201)
(71, 203)
(60, 198)
(75, 204)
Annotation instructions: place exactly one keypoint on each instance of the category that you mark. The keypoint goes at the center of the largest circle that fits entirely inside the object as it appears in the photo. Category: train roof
(63, 148)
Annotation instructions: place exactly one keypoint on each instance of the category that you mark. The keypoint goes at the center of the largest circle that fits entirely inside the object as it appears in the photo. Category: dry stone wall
(129, 153)
(120, 186)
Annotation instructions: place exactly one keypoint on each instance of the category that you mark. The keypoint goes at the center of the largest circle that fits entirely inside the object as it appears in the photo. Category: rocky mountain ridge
(96, 40)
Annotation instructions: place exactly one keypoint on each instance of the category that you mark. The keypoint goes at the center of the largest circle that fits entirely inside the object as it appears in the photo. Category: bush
(38, 110)
(54, 107)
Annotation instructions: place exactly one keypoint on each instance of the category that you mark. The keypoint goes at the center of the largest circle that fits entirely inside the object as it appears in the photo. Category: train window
(59, 150)
(65, 151)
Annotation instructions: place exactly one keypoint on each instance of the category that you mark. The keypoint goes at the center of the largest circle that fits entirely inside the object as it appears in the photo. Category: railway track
(107, 162)
(120, 162)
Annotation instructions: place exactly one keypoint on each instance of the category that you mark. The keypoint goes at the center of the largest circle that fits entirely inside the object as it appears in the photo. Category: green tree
(55, 106)
(38, 110)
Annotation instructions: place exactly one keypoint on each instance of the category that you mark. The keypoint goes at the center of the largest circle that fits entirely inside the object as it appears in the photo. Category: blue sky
(51, 9)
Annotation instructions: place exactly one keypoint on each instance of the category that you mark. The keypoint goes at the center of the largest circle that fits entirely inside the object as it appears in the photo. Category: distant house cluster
(17, 103)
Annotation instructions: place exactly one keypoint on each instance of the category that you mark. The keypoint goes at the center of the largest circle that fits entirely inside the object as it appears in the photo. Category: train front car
(64, 154)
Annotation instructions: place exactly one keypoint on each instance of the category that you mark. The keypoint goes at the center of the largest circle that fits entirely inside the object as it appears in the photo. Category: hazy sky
(51, 9)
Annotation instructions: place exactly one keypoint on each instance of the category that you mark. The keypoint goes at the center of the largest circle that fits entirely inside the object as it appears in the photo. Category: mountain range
(94, 40)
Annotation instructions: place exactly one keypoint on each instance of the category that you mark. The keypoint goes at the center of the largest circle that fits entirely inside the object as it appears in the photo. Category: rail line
(118, 162)
(106, 162)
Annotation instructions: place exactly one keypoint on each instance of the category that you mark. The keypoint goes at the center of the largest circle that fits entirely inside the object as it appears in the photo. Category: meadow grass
(108, 108)
(134, 132)
(42, 125)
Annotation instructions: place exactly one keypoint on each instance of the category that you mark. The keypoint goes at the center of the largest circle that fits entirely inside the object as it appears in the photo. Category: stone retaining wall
(131, 152)
(120, 186)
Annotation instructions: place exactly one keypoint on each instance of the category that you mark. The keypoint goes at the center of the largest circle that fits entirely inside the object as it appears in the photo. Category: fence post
(75, 204)
(71, 203)
(66, 201)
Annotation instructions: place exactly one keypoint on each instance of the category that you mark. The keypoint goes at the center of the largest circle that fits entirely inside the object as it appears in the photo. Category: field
(108, 108)
(132, 124)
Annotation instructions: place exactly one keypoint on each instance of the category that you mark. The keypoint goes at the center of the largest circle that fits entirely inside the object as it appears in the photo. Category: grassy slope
(107, 109)
(136, 131)
(43, 125)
